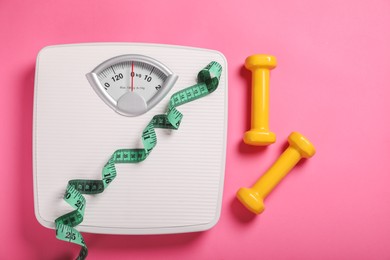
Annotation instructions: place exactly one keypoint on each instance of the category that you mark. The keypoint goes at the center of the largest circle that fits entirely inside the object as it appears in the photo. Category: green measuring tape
(208, 80)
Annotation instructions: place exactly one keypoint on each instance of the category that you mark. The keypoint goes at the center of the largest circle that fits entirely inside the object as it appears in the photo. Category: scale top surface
(178, 188)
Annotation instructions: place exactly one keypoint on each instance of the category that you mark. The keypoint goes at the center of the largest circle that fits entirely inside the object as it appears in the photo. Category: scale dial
(131, 84)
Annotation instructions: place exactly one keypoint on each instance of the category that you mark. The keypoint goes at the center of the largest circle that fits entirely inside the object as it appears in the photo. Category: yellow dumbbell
(260, 65)
(253, 198)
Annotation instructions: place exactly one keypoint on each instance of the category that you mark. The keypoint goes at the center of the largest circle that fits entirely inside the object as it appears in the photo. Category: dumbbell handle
(268, 181)
(260, 98)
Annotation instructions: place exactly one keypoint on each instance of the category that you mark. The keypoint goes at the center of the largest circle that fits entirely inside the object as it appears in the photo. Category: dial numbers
(134, 76)
(131, 84)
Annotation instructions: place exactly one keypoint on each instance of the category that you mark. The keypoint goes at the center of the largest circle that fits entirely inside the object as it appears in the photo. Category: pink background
(332, 84)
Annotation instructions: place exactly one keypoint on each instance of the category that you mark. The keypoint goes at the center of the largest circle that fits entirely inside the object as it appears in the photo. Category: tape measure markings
(208, 80)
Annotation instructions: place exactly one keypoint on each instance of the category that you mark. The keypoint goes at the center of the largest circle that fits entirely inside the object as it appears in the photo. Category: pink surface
(332, 84)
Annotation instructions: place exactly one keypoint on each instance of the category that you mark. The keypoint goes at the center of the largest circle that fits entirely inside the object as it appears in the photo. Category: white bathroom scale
(93, 99)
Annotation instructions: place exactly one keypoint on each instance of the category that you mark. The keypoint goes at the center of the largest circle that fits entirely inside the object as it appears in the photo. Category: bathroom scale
(95, 98)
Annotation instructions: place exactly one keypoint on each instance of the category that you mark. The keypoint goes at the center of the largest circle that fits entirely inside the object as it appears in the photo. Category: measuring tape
(208, 80)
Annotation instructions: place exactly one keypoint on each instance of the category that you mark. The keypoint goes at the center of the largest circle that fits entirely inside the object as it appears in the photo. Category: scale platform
(178, 188)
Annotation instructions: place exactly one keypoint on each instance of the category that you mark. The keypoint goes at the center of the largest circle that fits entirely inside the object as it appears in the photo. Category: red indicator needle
(132, 76)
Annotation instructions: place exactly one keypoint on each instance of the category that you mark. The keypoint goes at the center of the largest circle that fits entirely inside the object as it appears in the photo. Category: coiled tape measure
(131, 85)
